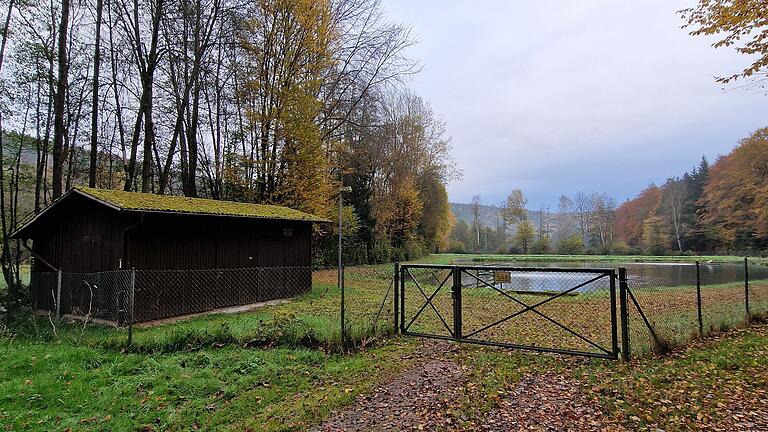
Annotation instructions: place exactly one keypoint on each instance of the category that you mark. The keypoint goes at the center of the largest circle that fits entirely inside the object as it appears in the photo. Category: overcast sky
(554, 97)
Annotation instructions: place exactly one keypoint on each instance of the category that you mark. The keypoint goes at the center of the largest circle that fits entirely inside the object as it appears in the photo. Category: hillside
(490, 215)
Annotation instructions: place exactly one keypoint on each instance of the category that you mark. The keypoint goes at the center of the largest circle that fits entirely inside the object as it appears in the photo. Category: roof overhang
(19, 232)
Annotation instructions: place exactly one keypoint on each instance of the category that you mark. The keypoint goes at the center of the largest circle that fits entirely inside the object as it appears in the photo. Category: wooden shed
(189, 254)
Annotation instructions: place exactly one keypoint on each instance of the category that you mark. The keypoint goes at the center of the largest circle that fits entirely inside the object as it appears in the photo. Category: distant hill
(490, 215)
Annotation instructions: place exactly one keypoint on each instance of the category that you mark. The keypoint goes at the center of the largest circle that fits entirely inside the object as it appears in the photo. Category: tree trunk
(95, 98)
(61, 87)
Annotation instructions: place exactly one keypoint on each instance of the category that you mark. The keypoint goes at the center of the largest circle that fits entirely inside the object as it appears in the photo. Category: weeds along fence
(258, 306)
(672, 304)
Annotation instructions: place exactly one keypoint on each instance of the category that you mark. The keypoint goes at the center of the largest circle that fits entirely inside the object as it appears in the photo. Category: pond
(639, 275)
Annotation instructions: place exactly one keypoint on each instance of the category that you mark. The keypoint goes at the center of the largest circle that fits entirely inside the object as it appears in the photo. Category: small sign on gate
(502, 276)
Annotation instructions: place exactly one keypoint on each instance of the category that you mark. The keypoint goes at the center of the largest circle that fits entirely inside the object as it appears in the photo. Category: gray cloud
(556, 97)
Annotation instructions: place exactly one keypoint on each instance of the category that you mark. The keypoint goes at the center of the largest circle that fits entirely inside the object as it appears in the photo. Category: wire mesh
(666, 293)
(369, 300)
(552, 309)
(427, 301)
(167, 293)
(682, 300)
(548, 309)
(758, 290)
(98, 297)
(125, 297)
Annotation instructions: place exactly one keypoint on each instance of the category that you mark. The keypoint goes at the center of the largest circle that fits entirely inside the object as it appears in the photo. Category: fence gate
(559, 310)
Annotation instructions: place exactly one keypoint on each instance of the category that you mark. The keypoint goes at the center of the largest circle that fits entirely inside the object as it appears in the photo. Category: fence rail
(560, 310)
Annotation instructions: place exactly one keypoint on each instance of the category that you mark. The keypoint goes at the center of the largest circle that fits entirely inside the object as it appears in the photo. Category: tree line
(722, 208)
(266, 101)
(582, 223)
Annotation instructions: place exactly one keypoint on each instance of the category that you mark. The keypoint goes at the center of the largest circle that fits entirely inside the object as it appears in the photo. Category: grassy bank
(488, 258)
(275, 369)
(62, 386)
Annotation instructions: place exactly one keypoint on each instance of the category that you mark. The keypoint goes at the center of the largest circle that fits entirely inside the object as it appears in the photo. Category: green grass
(24, 270)
(276, 368)
(58, 385)
(486, 258)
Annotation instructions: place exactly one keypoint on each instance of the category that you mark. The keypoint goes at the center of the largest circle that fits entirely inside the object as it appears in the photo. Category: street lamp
(341, 265)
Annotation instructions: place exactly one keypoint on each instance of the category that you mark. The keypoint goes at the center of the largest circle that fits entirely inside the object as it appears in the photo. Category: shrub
(572, 245)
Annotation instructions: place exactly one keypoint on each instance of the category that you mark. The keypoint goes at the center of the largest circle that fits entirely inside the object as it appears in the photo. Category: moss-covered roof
(135, 201)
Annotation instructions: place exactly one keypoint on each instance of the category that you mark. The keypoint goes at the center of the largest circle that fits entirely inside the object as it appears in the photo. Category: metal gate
(558, 310)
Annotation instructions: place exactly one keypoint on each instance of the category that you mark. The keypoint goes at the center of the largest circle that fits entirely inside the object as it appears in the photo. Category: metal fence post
(746, 289)
(396, 283)
(58, 295)
(614, 324)
(625, 344)
(456, 292)
(131, 297)
(698, 299)
(403, 270)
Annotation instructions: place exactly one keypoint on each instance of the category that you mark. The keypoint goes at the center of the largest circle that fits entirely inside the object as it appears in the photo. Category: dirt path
(430, 397)
(545, 402)
(420, 399)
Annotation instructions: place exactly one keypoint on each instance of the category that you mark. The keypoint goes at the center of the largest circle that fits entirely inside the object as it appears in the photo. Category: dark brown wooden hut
(190, 254)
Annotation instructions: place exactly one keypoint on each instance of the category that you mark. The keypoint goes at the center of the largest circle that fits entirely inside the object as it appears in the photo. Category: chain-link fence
(369, 302)
(99, 297)
(122, 297)
(543, 309)
(249, 305)
(672, 303)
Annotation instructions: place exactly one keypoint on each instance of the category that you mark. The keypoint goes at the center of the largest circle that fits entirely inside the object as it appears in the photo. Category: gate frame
(456, 333)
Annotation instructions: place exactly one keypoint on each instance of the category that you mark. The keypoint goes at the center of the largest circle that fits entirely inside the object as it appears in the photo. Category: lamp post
(341, 265)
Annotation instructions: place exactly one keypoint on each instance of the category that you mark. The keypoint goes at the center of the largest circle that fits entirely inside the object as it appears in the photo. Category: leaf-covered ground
(717, 384)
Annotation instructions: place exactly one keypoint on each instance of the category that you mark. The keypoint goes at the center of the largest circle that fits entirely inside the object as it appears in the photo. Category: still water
(638, 274)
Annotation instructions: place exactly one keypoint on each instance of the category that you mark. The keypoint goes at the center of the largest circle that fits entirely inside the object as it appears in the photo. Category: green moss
(180, 204)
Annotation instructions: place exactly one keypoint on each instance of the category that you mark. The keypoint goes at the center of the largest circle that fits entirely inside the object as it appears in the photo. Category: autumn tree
(735, 199)
(437, 220)
(655, 235)
(631, 215)
(514, 210)
(741, 24)
(525, 235)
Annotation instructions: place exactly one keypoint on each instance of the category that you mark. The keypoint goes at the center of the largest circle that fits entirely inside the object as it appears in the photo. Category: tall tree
(514, 211)
(584, 214)
(95, 95)
(476, 206)
(59, 107)
(525, 235)
(735, 200)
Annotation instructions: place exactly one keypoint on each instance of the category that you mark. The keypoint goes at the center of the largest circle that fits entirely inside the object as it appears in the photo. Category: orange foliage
(735, 199)
(631, 215)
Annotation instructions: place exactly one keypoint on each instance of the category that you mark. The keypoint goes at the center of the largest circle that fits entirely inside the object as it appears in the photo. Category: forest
(268, 101)
(720, 208)
(716, 209)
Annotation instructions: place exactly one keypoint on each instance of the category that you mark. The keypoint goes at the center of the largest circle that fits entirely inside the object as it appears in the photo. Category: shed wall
(176, 257)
